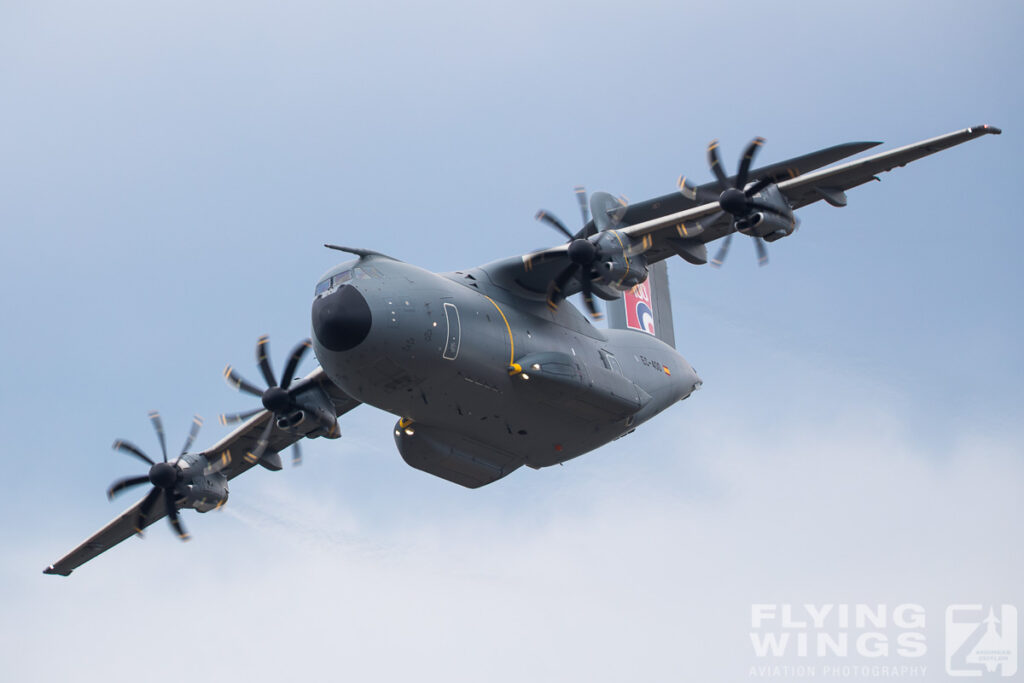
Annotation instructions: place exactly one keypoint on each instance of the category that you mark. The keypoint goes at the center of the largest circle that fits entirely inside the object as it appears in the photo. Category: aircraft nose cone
(341, 320)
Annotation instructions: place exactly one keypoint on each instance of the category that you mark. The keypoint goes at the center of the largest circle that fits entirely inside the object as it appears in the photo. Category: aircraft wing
(231, 452)
(676, 224)
(528, 275)
(829, 184)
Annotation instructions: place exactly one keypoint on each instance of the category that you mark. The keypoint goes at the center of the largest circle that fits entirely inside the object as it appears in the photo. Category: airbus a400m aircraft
(487, 369)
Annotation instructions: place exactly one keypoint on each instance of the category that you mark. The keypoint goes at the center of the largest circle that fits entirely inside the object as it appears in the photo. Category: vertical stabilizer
(647, 307)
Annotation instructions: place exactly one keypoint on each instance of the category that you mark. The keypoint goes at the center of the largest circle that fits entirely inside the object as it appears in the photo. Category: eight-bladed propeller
(276, 398)
(164, 476)
(734, 200)
(583, 253)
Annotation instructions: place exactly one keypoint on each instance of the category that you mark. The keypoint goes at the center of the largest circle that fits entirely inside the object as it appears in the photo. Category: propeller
(163, 475)
(276, 397)
(583, 253)
(734, 199)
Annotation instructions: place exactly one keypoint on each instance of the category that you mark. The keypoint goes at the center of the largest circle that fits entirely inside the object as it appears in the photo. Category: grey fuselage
(483, 375)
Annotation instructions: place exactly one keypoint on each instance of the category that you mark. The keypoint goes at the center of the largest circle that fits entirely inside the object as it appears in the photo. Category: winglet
(987, 129)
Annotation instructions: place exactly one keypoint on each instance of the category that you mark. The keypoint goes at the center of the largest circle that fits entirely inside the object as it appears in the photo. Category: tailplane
(647, 307)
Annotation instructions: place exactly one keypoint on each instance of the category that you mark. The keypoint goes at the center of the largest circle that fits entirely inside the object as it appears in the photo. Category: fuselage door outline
(454, 339)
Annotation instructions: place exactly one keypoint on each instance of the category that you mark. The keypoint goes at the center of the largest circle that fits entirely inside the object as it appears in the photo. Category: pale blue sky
(168, 172)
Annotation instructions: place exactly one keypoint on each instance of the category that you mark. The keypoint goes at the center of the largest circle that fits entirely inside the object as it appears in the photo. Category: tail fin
(647, 307)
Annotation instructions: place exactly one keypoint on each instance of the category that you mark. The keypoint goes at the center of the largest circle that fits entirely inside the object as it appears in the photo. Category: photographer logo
(981, 641)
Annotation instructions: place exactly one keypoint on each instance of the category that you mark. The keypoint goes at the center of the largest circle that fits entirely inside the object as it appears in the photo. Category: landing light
(525, 376)
(409, 431)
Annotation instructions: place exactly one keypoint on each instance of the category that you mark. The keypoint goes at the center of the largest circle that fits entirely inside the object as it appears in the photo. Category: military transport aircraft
(484, 368)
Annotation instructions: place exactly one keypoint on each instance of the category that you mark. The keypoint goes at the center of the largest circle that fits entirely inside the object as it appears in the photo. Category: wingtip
(56, 572)
(866, 144)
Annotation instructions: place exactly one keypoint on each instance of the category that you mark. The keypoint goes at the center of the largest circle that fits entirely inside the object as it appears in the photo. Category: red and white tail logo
(639, 308)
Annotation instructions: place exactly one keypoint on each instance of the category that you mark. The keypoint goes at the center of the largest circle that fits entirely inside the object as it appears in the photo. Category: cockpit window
(367, 272)
(338, 279)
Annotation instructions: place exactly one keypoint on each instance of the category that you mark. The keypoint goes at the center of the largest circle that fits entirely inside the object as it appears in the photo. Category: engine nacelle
(199, 489)
(768, 225)
(616, 268)
(315, 416)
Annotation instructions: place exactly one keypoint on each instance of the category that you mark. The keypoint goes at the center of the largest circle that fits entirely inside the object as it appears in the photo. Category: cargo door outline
(454, 338)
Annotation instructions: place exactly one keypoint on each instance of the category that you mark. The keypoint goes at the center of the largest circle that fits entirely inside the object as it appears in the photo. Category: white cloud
(609, 575)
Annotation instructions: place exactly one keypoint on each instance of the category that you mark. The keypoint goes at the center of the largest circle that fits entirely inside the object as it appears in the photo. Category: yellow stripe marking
(623, 247)
(511, 341)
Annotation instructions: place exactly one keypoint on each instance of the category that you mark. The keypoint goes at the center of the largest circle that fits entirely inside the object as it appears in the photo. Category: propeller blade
(695, 193)
(581, 199)
(197, 422)
(637, 247)
(129, 447)
(722, 252)
(145, 507)
(554, 222)
(748, 156)
(762, 252)
(557, 285)
(158, 425)
(293, 362)
(238, 382)
(607, 210)
(296, 455)
(172, 516)
(231, 418)
(588, 299)
(710, 220)
(263, 358)
(530, 261)
(716, 165)
(685, 189)
(759, 185)
(217, 465)
(262, 442)
(127, 482)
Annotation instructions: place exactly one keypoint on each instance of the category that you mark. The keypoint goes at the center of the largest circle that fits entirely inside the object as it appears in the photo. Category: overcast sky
(169, 170)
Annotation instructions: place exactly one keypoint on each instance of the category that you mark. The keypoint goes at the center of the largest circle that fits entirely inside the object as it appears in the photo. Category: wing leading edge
(829, 184)
(241, 440)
